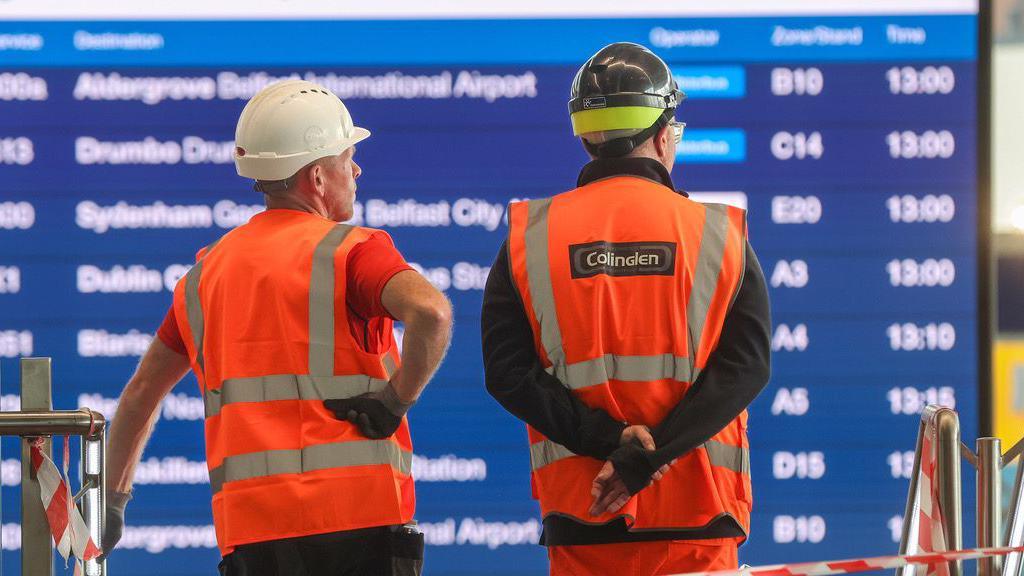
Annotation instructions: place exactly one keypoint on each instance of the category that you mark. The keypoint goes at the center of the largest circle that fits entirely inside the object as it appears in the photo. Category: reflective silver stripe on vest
(194, 308)
(734, 458)
(545, 452)
(287, 387)
(538, 271)
(308, 459)
(705, 275)
(389, 366)
(623, 369)
(194, 311)
(727, 456)
(321, 302)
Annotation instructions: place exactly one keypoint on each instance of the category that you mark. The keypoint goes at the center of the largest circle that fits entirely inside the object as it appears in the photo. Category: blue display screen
(851, 141)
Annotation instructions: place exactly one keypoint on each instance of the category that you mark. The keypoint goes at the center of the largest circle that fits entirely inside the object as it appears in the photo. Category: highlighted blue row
(483, 42)
(703, 146)
(700, 82)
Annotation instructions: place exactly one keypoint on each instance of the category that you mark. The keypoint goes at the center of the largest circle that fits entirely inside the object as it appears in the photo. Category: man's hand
(114, 526)
(641, 435)
(638, 434)
(377, 414)
(608, 489)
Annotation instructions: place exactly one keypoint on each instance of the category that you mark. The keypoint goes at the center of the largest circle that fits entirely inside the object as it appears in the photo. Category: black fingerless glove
(632, 465)
(377, 414)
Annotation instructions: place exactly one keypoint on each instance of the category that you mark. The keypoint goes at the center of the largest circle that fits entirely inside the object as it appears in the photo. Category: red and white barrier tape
(862, 564)
(69, 530)
(930, 532)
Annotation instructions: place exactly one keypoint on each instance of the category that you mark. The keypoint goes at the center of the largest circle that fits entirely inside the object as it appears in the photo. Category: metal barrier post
(36, 551)
(945, 425)
(1015, 525)
(989, 518)
(94, 494)
(950, 492)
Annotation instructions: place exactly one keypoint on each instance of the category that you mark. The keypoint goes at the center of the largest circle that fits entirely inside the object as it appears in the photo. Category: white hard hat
(289, 124)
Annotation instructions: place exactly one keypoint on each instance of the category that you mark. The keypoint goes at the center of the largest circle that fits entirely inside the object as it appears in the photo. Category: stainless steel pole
(36, 551)
(989, 518)
(947, 425)
(944, 425)
(94, 492)
(1015, 531)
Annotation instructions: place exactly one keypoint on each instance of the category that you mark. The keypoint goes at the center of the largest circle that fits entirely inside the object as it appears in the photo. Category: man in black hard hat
(629, 327)
(622, 97)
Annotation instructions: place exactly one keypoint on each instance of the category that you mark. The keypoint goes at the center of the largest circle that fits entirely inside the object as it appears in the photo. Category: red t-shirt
(371, 265)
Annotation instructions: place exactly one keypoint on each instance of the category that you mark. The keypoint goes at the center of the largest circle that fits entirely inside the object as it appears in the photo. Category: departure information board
(850, 136)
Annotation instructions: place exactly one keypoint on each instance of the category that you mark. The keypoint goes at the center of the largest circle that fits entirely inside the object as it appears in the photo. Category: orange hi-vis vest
(626, 284)
(263, 316)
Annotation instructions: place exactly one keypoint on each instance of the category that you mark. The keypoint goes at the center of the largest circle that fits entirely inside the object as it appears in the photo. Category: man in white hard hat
(287, 323)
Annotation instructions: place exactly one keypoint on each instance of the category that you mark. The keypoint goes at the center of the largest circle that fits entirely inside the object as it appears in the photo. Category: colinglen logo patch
(622, 259)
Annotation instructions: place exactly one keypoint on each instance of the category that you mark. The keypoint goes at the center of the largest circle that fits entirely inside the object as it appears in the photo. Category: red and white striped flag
(69, 530)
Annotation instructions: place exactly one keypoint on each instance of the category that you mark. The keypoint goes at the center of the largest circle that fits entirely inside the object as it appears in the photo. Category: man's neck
(639, 167)
(292, 202)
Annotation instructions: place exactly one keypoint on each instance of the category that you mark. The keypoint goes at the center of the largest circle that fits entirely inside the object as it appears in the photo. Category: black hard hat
(623, 86)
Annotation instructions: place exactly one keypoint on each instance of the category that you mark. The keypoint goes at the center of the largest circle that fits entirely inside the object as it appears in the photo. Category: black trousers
(383, 551)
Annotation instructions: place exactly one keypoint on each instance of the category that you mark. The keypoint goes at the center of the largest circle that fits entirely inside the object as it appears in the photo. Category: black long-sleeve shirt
(736, 372)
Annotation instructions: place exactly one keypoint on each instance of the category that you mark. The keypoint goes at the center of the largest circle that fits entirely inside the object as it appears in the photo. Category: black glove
(114, 525)
(377, 414)
(633, 466)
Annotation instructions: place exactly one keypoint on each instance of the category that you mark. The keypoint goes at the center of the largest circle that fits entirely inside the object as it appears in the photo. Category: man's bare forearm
(427, 316)
(424, 345)
(137, 411)
(129, 433)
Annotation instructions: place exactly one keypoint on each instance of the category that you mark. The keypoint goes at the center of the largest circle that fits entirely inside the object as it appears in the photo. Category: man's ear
(664, 142)
(583, 144)
(315, 178)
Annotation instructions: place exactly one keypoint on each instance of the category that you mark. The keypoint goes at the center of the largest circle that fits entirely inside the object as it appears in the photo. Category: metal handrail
(82, 422)
(38, 421)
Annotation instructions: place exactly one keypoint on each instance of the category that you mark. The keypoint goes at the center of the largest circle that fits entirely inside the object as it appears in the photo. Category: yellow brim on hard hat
(617, 118)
